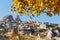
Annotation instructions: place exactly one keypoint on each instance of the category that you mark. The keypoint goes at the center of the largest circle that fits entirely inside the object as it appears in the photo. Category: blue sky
(5, 9)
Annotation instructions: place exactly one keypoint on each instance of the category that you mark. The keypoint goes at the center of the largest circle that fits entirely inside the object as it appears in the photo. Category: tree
(36, 7)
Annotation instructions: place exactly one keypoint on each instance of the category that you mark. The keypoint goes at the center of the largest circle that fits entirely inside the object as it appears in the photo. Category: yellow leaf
(49, 14)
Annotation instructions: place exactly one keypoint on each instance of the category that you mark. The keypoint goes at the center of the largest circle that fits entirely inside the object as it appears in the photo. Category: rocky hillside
(16, 29)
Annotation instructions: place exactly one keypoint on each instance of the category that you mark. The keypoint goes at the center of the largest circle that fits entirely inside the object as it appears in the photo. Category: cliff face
(16, 27)
(8, 22)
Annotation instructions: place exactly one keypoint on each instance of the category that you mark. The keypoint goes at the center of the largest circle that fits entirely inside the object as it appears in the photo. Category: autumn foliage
(36, 7)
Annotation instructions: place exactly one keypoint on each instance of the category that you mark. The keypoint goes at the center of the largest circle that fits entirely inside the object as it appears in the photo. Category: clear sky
(5, 9)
